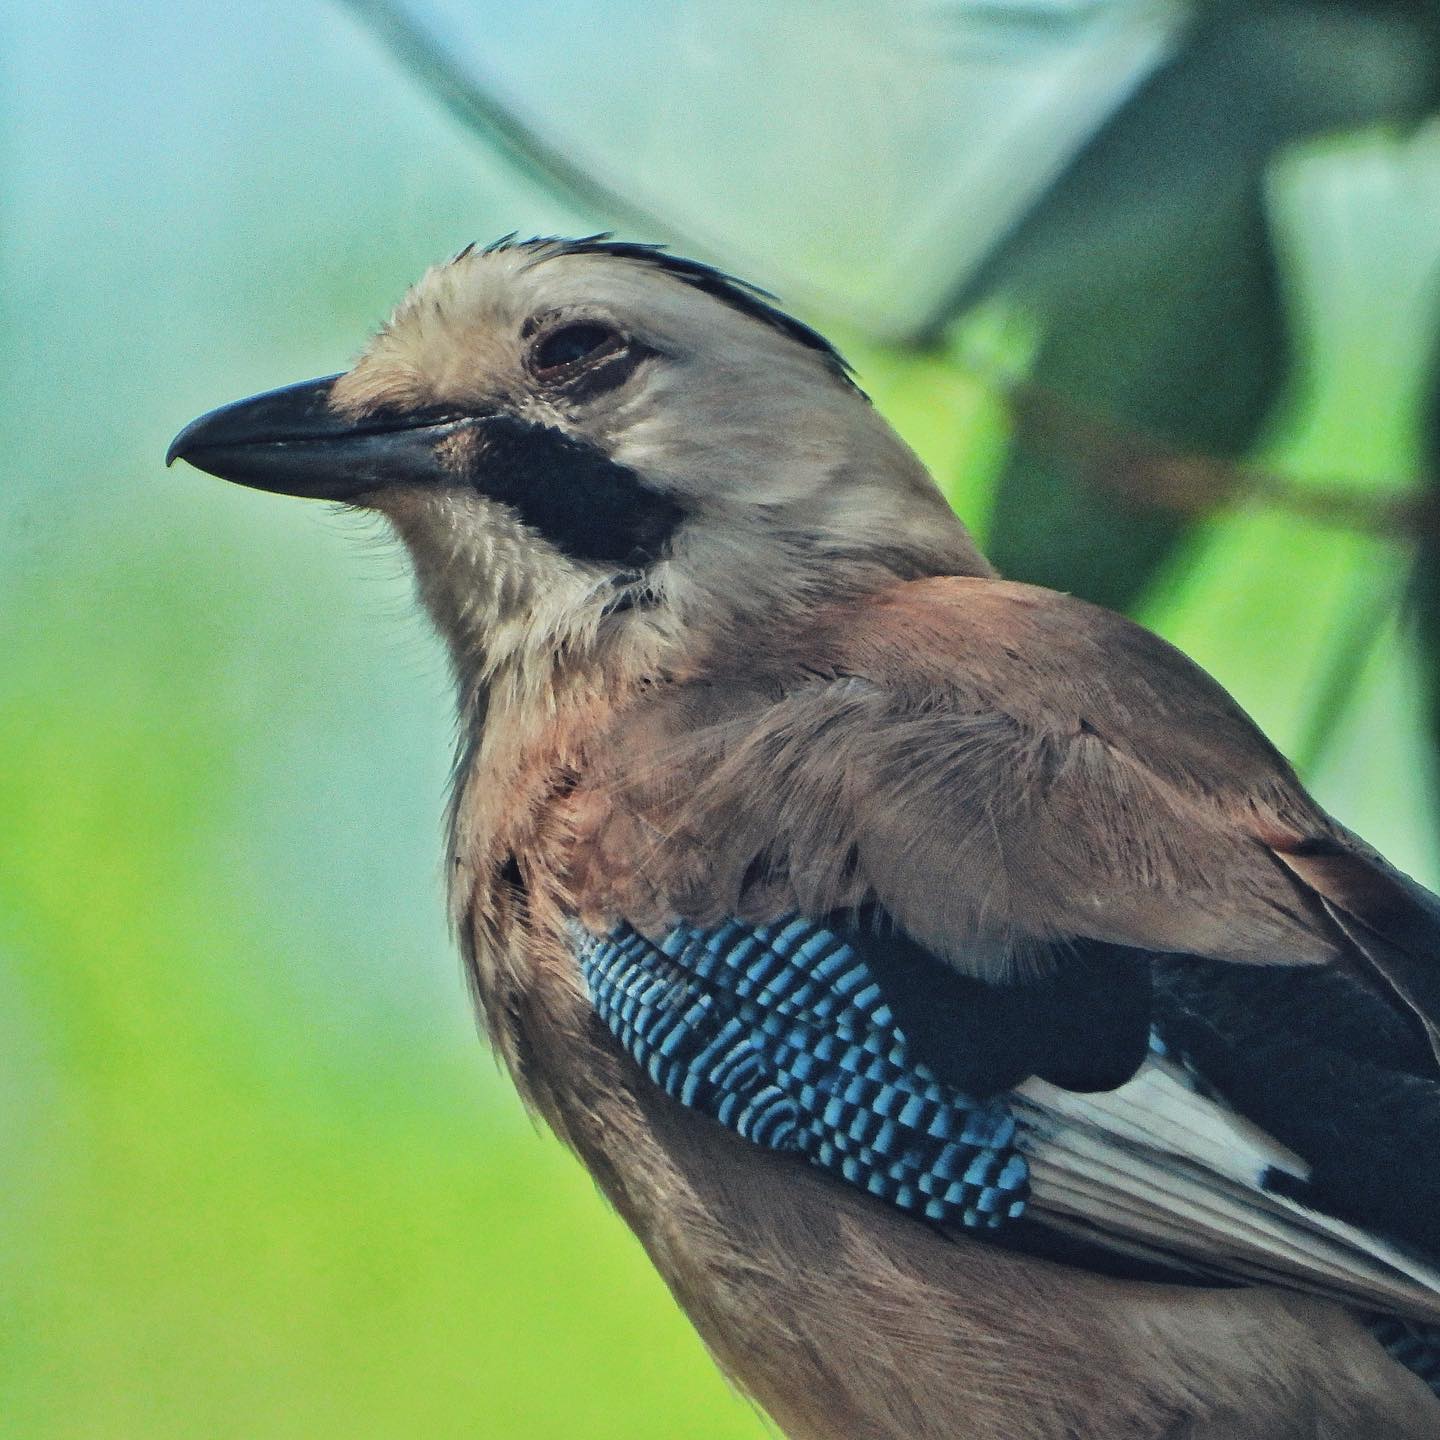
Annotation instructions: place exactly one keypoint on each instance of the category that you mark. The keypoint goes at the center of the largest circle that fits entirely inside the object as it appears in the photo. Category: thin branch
(1139, 467)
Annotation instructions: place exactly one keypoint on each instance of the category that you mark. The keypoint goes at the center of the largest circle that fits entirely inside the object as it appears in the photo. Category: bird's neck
(533, 715)
(546, 731)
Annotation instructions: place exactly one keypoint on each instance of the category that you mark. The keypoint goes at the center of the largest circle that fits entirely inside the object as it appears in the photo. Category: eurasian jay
(977, 1022)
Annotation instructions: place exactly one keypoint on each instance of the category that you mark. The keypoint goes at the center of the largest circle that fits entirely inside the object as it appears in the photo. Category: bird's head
(586, 438)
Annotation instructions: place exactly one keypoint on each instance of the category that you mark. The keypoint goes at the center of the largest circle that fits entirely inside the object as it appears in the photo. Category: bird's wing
(1004, 771)
(783, 1032)
(1018, 811)
(1160, 1170)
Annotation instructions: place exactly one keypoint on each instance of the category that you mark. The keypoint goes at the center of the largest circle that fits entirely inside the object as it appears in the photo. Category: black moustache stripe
(587, 505)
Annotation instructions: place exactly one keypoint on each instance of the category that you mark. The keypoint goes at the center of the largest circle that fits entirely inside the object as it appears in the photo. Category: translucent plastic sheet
(866, 157)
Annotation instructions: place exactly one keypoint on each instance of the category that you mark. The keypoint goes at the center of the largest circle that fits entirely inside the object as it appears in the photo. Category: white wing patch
(1160, 1170)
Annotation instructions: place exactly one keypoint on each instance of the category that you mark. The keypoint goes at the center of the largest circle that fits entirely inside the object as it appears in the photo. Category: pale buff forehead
(460, 330)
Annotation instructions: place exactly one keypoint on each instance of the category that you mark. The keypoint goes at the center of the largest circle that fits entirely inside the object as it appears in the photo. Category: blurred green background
(263, 1180)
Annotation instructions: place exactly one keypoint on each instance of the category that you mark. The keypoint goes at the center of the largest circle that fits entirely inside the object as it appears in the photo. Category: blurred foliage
(1154, 268)
(265, 1181)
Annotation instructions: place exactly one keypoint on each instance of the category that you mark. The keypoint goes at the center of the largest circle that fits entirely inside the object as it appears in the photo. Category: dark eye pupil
(571, 343)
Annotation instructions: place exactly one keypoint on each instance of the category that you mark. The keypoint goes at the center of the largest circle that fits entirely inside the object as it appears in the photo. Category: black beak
(291, 442)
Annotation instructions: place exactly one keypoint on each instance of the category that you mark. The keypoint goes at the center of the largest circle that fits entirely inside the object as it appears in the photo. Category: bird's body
(725, 659)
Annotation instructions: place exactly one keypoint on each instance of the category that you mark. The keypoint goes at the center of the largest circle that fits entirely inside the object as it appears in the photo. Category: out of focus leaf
(1366, 364)
(1425, 588)
(1195, 362)
(1152, 270)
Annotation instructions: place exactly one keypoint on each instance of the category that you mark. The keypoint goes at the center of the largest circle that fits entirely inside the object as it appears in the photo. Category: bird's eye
(572, 345)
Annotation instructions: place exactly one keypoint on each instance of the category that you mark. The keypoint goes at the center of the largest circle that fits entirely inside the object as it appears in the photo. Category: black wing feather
(1331, 1071)
(1085, 1026)
(1312, 1056)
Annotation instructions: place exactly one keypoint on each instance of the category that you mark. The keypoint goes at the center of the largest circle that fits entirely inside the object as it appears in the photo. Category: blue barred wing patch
(780, 1033)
